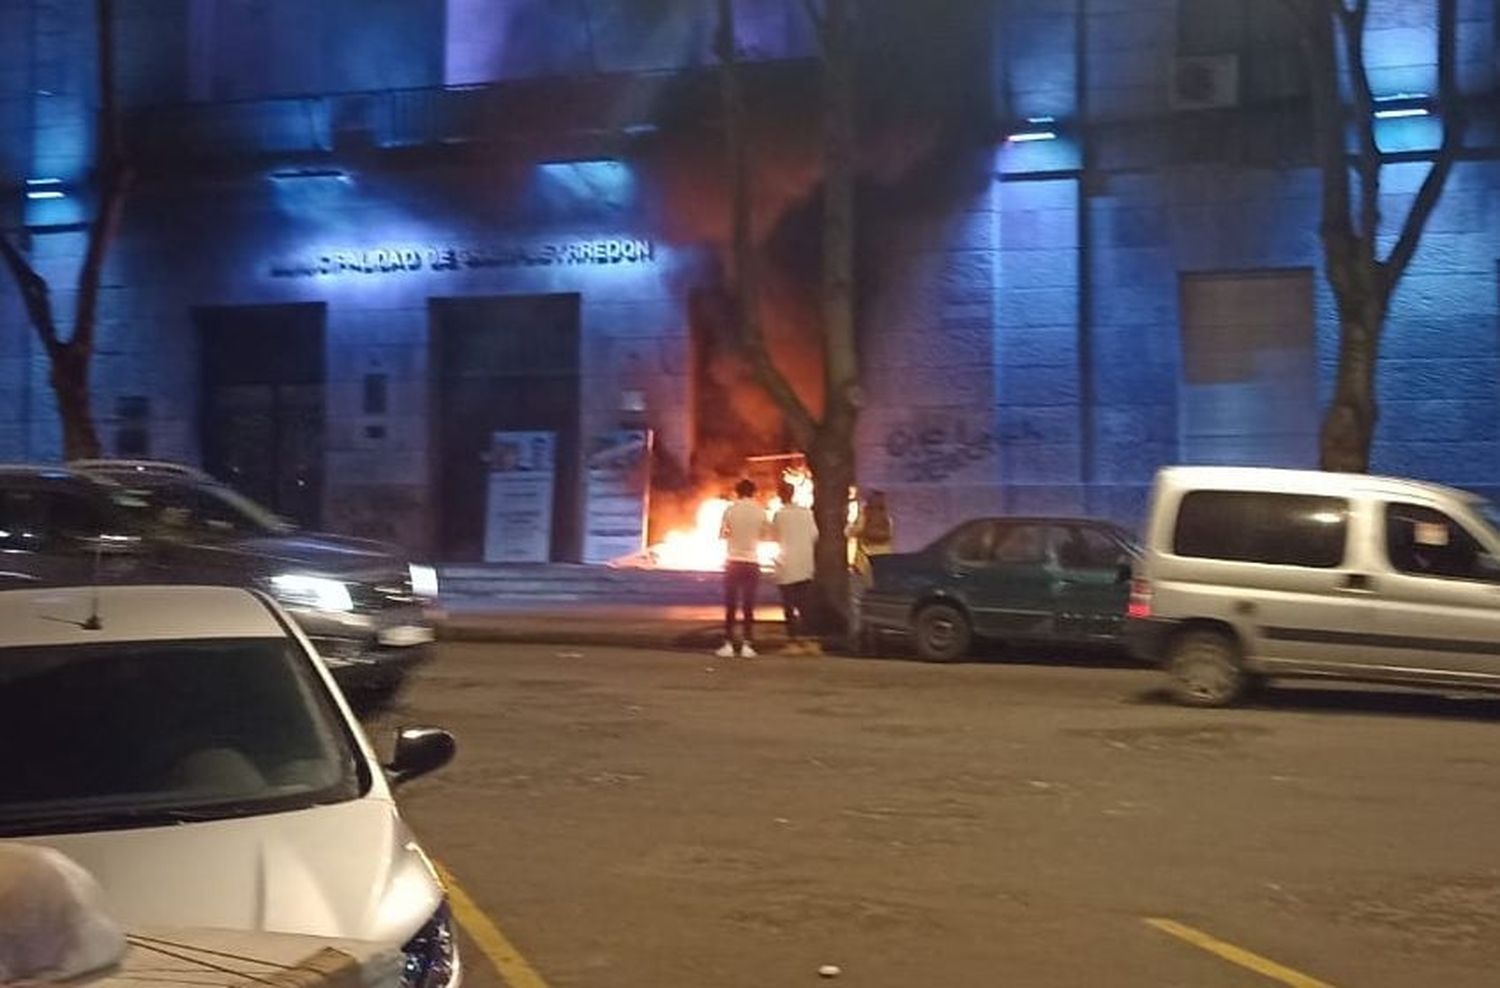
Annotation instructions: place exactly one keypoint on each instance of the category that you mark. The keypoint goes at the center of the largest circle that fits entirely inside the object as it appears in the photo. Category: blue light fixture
(1398, 106)
(45, 188)
(1036, 129)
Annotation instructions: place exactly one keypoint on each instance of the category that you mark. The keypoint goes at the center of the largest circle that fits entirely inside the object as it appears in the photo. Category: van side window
(1262, 527)
(1425, 542)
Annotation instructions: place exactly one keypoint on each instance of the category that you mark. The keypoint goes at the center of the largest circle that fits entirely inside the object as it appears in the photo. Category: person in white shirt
(744, 528)
(796, 534)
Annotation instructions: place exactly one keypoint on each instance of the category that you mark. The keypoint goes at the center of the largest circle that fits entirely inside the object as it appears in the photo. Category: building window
(1263, 37)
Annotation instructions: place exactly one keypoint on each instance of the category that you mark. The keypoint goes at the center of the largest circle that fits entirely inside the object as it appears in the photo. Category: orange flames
(699, 546)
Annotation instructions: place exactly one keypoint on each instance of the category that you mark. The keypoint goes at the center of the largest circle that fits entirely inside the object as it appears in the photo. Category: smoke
(687, 169)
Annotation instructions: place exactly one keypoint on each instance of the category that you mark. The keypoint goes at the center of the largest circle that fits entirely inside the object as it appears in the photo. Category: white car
(185, 745)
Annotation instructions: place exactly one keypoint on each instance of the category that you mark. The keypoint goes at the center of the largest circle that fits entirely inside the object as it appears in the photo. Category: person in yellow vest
(872, 533)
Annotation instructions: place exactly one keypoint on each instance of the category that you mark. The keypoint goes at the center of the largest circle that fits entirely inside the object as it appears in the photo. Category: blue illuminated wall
(1022, 312)
(1086, 392)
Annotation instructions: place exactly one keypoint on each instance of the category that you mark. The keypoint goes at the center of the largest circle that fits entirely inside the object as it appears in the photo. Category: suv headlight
(431, 955)
(314, 592)
(424, 581)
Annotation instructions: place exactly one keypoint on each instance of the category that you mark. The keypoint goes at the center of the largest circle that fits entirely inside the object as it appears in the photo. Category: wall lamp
(1036, 129)
(1398, 106)
(45, 188)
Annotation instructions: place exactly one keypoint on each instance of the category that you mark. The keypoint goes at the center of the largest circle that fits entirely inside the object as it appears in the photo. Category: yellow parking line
(1236, 955)
(509, 963)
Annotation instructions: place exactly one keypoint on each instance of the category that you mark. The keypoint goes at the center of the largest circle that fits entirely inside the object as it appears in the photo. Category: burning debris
(696, 547)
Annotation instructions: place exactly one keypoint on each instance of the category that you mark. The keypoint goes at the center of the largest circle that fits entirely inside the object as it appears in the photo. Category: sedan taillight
(1140, 599)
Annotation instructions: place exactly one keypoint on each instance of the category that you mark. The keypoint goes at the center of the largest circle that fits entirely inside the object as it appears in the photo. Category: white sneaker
(726, 651)
(747, 652)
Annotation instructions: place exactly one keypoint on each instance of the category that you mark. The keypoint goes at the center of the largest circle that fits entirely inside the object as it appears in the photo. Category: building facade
(1088, 248)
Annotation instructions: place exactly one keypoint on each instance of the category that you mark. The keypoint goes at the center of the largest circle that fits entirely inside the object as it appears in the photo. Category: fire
(699, 547)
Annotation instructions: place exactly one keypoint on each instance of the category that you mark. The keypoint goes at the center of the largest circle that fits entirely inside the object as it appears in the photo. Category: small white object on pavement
(830, 971)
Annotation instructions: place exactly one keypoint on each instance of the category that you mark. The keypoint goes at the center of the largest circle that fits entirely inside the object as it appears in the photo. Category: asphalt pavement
(633, 818)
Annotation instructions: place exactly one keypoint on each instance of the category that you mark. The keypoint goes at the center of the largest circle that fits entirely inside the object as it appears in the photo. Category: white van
(1251, 573)
(186, 747)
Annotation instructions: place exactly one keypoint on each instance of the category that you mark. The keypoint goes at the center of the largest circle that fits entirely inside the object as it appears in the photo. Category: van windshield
(139, 734)
(1489, 512)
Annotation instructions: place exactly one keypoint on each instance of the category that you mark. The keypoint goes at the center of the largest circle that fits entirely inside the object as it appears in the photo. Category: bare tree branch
(1455, 125)
(34, 293)
(1328, 120)
(114, 180)
(101, 233)
(107, 123)
(1367, 161)
(744, 260)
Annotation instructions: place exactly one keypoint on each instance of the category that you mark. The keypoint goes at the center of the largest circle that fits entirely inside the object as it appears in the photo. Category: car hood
(331, 554)
(350, 870)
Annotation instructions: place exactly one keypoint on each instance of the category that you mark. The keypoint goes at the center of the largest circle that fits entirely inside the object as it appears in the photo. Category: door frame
(568, 502)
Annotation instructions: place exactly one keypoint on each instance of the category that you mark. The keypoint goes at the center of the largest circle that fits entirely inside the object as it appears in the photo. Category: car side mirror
(419, 751)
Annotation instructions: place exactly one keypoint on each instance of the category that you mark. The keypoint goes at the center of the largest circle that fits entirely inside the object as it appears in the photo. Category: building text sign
(392, 260)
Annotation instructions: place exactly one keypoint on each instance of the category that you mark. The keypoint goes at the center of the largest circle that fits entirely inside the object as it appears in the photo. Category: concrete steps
(559, 582)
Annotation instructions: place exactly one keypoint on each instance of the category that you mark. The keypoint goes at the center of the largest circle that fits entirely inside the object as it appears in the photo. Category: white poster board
(518, 515)
(619, 482)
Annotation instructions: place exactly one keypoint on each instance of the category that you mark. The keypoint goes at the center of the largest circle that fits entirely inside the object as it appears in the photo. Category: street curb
(695, 638)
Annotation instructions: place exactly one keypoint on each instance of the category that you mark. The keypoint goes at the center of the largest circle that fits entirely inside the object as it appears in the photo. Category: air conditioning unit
(1205, 82)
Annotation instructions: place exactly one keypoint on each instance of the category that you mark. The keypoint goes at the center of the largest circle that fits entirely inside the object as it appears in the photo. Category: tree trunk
(832, 453)
(831, 459)
(70, 384)
(1349, 425)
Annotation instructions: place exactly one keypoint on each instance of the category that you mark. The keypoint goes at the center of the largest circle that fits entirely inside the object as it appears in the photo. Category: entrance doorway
(261, 417)
(503, 364)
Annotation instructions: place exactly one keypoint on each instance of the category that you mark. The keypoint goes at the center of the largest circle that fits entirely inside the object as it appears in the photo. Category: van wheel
(943, 633)
(1205, 669)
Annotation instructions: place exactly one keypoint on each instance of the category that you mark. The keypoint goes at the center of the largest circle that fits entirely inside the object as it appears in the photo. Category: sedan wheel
(943, 633)
(1205, 670)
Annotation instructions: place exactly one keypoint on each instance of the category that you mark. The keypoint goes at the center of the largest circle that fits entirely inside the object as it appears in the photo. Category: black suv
(363, 606)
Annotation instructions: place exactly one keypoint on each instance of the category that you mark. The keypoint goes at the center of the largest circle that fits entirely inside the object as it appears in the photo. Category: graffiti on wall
(934, 449)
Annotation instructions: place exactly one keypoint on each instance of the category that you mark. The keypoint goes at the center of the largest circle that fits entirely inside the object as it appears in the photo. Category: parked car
(363, 605)
(186, 747)
(1254, 573)
(1021, 580)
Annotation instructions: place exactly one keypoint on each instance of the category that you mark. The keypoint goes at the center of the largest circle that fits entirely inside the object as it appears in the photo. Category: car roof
(1271, 479)
(52, 473)
(60, 615)
(158, 468)
(1044, 520)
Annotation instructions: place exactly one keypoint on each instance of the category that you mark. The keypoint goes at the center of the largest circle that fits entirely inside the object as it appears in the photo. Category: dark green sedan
(1022, 580)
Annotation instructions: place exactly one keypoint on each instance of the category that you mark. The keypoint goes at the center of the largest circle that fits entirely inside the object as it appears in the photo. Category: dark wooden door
(506, 363)
(262, 417)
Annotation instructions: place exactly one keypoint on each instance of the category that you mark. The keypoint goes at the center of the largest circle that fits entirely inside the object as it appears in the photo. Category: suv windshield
(206, 508)
(136, 734)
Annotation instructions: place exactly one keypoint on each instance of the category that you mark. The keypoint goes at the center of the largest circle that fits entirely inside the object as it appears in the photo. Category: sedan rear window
(1259, 527)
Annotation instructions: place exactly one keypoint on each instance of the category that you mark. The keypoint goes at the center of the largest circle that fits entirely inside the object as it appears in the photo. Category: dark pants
(740, 583)
(795, 599)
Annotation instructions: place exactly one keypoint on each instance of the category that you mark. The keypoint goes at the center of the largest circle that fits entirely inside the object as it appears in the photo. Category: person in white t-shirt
(796, 533)
(745, 527)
